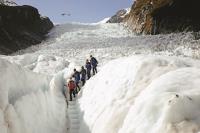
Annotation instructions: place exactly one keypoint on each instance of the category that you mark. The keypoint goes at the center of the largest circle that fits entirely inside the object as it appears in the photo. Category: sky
(86, 11)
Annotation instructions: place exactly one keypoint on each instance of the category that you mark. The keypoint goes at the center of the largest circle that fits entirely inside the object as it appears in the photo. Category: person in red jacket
(71, 86)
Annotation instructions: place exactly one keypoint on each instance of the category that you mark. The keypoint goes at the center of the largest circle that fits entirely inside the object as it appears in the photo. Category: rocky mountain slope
(8, 2)
(119, 16)
(164, 16)
(21, 27)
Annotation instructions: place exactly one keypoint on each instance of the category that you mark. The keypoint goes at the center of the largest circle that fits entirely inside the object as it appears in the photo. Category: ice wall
(142, 94)
(43, 64)
(30, 102)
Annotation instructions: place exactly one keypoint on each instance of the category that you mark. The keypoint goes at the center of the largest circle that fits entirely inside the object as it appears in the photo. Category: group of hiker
(83, 75)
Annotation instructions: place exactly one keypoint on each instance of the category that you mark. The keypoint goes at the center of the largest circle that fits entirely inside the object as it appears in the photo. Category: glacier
(145, 84)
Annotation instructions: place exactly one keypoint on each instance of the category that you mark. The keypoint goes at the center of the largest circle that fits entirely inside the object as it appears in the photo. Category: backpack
(71, 85)
(94, 62)
(77, 76)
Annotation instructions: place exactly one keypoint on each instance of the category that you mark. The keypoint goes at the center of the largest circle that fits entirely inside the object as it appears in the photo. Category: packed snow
(30, 102)
(145, 84)
(45, 64)
(143, 94)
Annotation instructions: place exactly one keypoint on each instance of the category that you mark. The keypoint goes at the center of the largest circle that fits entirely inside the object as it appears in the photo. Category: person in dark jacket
(83, 75)
(94, 63)
(76, 76)
(88, 68)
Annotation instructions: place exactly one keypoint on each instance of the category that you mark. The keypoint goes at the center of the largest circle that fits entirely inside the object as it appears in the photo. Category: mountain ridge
(163, 16)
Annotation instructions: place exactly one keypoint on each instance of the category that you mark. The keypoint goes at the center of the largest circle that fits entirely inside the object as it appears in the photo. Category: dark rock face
(180, 15)
(164, 16)
(21, 27)
(118, 17)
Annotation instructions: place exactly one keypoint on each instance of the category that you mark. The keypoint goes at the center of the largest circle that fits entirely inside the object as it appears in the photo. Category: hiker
(71, 85)
(94, 63)
(83, 75)
(88, 68)
(76, 76)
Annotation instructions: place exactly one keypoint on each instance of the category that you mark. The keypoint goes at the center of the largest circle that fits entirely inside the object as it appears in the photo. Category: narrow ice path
(74, 116)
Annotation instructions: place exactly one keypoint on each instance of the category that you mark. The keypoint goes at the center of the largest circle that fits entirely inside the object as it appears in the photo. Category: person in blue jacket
(94, 63)
(76, 76)
(83, 75)
(88, 68)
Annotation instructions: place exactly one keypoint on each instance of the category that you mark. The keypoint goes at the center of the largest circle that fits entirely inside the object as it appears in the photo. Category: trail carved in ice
(74, 117)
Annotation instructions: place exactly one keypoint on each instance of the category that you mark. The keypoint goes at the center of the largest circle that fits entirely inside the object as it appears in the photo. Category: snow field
(143, 94)
(75, 39)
